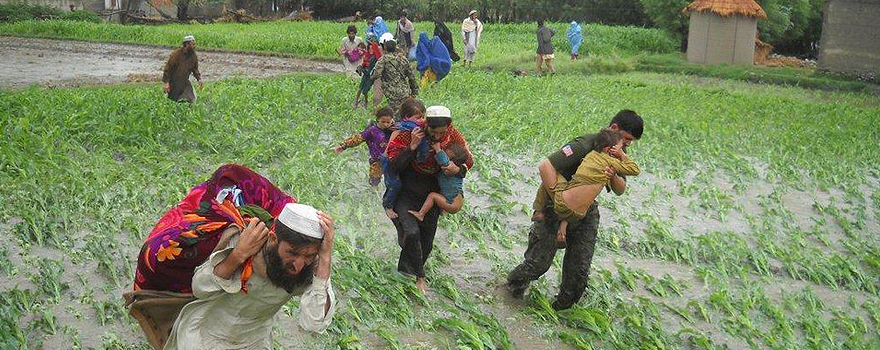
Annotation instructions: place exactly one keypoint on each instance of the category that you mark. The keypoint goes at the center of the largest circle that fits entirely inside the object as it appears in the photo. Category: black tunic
(440, 30)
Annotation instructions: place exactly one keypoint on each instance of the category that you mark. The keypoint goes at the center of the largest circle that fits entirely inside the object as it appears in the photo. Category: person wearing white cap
(396, 76)
(418, 179)
(290, 257)
(472, 32)
(180, 65)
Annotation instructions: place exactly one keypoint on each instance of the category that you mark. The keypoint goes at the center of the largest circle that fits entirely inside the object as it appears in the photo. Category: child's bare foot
(560, 242)
(538, 215)
(391, 214)
(419, 216)
(420, 284)
(560, 239)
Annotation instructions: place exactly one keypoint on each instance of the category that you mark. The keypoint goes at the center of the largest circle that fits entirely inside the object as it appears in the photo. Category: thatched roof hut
(723, 31)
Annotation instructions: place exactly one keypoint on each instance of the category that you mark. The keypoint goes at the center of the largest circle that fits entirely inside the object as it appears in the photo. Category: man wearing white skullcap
(472, 32)
(415, 236)
(290, 257)
(180, 65)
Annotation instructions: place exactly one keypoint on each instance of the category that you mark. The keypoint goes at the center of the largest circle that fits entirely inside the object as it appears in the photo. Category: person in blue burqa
(575, 39)
(376, 27)
(433, 59)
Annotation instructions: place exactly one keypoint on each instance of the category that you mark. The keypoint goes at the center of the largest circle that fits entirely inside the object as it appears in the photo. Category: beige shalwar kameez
(223, 317)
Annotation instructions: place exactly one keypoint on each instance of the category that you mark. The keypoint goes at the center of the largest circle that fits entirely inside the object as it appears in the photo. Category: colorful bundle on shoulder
(188, 233)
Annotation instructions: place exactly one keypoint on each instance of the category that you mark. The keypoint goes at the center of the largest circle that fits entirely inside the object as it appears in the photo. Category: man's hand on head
(326, 251)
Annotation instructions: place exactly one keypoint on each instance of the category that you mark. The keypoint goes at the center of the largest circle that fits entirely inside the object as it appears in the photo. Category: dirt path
(50, 62)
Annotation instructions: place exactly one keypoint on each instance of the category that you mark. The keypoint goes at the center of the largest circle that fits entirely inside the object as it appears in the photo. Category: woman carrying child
(376, 135)
(418, 180)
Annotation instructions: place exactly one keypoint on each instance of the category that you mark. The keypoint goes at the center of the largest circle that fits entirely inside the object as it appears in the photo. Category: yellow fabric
(590, 172)
(592, 169)
(563, 212)
(428, 78)
(541, 198)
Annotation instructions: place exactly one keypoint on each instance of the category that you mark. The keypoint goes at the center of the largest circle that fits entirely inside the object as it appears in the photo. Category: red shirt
(372, 53)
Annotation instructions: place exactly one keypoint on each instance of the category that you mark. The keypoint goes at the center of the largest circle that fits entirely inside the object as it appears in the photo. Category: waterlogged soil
(52, 63)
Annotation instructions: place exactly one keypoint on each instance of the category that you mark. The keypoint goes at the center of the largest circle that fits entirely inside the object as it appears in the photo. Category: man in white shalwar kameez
(472, 32)
(293, 259)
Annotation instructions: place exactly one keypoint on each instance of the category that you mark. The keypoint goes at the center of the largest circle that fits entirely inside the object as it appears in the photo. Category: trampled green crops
(752, 225)
(321, 39)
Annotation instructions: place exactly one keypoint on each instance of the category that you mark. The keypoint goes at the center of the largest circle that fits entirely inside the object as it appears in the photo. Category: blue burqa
(378, 28)
(432, 53)
(575, 38)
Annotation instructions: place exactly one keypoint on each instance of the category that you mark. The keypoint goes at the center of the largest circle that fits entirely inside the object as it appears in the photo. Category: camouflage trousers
(580, 244)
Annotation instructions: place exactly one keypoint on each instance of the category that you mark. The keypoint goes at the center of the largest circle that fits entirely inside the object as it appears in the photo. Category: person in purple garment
(376, 136)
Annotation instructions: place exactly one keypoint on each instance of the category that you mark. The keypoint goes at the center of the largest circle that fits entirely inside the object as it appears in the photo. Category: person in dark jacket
(545, 48)
(180, 65)
(442, 31)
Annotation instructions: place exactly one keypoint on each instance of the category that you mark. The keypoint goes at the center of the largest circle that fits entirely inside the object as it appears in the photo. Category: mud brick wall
(851, 37)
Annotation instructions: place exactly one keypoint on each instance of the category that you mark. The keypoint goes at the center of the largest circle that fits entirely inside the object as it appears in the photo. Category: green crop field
(321, 39)
(752, 225)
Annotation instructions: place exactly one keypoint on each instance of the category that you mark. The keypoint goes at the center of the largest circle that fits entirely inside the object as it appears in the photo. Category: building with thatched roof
(723, 31)
(851, 37)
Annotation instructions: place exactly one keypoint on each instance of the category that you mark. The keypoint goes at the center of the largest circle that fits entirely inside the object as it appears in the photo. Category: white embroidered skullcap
(189, 38)
(437, 112)
(301, 218)
(472, 12)
(386, 37)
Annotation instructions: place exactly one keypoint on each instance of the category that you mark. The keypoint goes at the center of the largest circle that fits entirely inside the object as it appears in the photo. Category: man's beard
(279, 275)
(188, 49)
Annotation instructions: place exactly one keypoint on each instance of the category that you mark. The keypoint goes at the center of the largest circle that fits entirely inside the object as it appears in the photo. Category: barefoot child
(572, 199)
(413, 111)
(376, 135)
(450, 199)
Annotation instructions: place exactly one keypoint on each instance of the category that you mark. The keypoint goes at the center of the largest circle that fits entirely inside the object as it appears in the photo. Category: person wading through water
(180, 65)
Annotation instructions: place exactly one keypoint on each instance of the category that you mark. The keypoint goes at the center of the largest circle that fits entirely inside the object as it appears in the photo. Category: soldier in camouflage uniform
(581, 236)
(398, 81)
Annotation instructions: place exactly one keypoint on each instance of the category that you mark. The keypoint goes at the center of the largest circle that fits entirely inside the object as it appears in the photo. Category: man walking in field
(180, 65)
(545, 48)
(219, 265)
(471, 32)
(581, 236)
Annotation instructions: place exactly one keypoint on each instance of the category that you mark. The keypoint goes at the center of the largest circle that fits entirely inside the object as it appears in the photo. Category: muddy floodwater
(50, 62)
